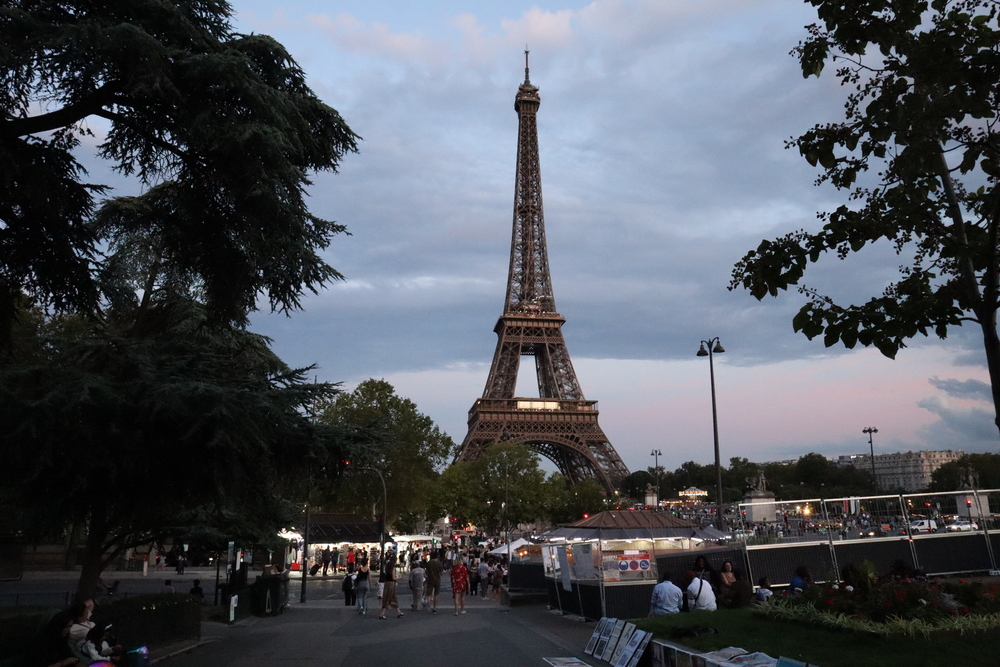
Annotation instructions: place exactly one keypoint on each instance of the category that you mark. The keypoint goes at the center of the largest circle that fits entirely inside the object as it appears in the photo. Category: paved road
(326, 633)
(54, 588)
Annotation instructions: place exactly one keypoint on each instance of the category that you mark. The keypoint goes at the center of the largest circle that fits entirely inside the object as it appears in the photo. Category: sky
(662, 135)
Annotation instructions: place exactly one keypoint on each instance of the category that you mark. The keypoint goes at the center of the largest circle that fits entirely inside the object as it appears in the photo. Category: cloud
(972, 389)
(662, 132)
(960, 426)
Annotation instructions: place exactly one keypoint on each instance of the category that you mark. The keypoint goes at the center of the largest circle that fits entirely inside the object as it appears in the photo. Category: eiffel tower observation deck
(560, 424)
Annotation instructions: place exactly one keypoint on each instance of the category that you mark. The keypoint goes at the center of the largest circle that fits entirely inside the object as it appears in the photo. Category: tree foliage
(224, 122)
(948, 477)
(918, 155)
(133, 400)
(396, 439)
(138, 437)
(500, 489)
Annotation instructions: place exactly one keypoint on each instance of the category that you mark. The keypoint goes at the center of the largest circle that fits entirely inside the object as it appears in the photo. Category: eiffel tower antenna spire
(560, 424)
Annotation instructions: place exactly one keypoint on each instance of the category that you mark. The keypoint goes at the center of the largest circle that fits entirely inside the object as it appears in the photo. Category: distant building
(907, 470)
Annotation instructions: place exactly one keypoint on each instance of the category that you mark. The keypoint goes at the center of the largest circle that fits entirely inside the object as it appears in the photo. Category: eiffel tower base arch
(564, 431)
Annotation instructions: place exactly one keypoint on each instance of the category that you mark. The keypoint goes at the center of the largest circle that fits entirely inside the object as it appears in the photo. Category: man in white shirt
(667, 598)
(699, 593)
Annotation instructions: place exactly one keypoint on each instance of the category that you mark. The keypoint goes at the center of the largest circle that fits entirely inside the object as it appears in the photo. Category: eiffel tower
(560, 425)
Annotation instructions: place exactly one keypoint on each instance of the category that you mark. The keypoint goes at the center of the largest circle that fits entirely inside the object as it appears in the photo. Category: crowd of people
(703, 588)
(470, 571)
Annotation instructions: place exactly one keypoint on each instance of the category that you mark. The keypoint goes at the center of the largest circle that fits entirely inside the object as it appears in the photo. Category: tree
(948, 477)
(403, 444)
(815, 476)
(123, 347)
(500, 489)
(922, 115)
(224, 122)
(569, 504)
(633, 486)
(138, 437)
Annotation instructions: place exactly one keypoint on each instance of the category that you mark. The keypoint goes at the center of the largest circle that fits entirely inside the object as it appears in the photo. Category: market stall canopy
(633, 524)
(414, 538)
(330, 528)
(514, 546)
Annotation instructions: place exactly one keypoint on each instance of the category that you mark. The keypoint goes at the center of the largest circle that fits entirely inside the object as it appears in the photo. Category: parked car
(923, 526)
(962, 526)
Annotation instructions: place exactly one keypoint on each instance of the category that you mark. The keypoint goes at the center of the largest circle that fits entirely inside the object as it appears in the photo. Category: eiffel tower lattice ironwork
(560, 424)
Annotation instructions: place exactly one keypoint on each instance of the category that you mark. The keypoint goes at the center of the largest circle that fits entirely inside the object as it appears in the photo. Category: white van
(923, 526)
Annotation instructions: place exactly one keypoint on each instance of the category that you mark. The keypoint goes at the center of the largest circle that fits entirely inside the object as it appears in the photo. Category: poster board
(631, 647)
(592, 644)
(602, 643)
(623, 641)
(639, 650)
(616, 633)
(585, 561)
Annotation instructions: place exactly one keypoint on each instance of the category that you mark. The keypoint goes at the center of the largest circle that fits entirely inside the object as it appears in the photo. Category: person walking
(388, 578)
(496, 580)
(361, 585)
(459, 584)
(349, 593)
(432, 578)
(416, 584)
(484, 576)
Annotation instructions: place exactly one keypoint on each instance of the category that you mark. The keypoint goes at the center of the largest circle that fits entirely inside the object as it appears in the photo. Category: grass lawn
(826, 648)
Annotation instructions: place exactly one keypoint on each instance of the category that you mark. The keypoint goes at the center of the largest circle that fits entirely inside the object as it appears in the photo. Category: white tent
(514, 546)
(413, 538)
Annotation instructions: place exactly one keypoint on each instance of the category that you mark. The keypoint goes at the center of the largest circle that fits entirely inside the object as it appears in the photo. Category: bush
(896, 606)
(151, 620)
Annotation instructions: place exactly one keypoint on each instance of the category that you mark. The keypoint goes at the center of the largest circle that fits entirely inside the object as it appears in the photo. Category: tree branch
(68, 115)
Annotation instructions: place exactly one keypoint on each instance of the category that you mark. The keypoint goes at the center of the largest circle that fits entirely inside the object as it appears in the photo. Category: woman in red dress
(459, 584)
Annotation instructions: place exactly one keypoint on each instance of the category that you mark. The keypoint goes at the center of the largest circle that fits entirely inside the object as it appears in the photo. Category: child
(763, 593)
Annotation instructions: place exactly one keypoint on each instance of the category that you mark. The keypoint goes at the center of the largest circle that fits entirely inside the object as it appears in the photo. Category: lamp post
(707, 349)
(656, 454)
(870, 430)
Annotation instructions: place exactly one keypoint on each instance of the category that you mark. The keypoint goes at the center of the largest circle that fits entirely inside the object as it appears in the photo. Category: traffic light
(968, 502)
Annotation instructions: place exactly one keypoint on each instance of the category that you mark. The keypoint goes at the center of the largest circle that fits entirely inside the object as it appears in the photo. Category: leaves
(226, 119)
(926, 96)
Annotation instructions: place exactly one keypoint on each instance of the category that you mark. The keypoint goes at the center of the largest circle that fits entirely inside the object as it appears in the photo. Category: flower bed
(902, 606)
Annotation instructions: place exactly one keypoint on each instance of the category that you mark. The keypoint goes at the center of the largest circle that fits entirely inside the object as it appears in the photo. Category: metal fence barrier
(934, 533)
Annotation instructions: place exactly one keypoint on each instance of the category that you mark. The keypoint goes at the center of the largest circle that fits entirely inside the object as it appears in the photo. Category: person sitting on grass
(800, 581)
(764, 592)
(667, 598)
(699, 593)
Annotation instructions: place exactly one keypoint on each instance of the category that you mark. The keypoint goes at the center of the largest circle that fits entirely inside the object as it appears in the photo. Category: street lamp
(870, 430)
(707, 349)
(656, 454)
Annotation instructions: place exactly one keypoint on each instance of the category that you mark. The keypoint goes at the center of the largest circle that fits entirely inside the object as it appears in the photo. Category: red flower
(829, 602)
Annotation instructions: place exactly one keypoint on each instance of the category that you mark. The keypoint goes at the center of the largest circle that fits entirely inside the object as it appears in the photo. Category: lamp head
(702, 352)
(718, 349)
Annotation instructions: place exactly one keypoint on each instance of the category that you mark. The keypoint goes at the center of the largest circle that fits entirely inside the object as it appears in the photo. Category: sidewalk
(324, 632)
